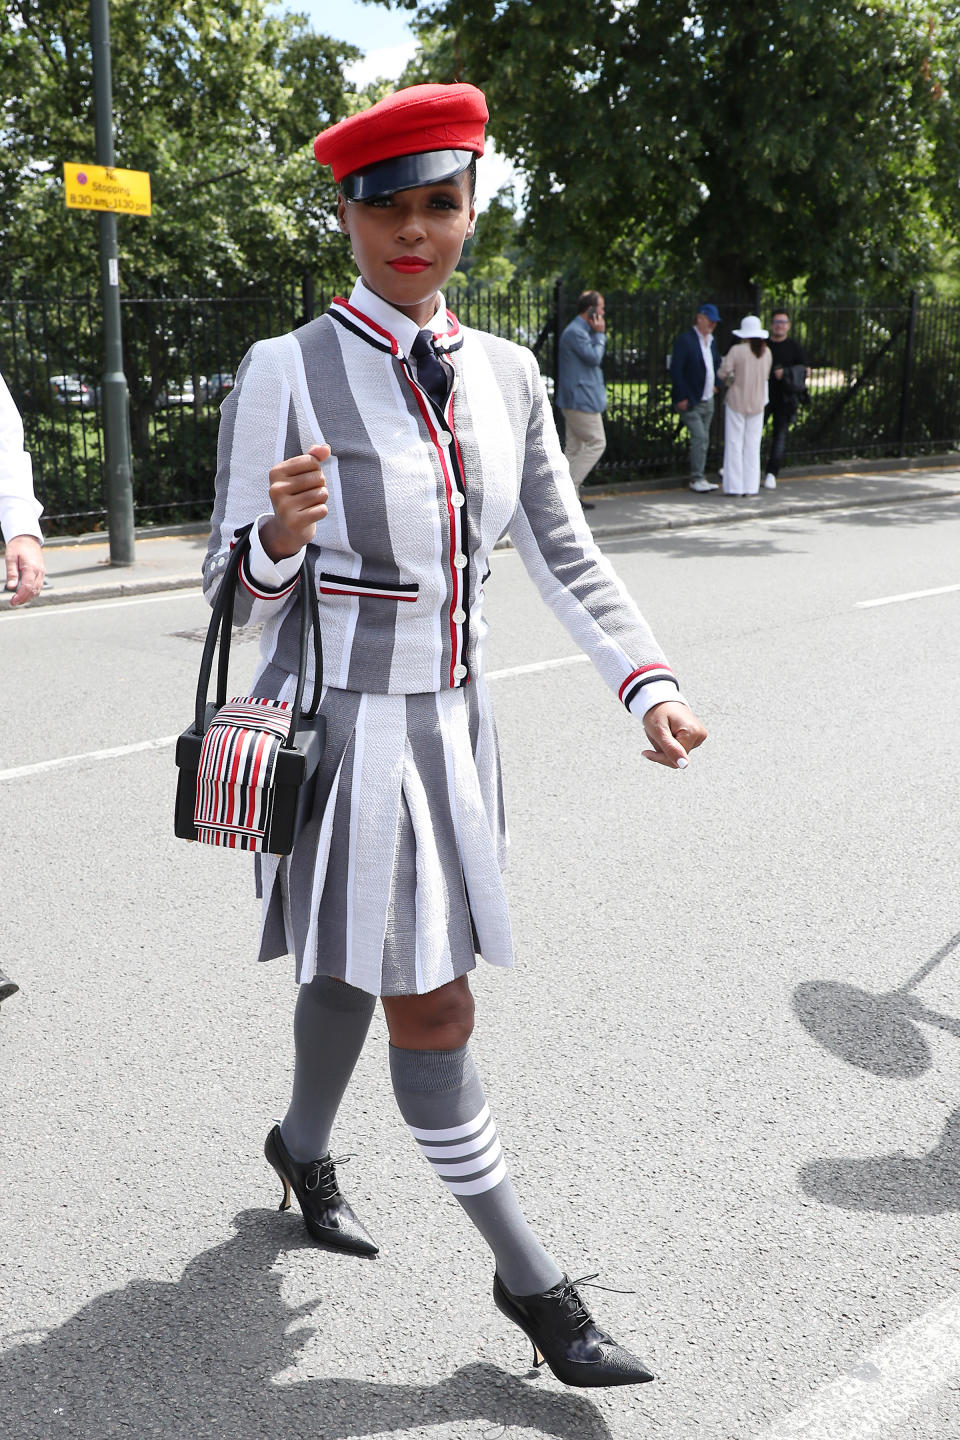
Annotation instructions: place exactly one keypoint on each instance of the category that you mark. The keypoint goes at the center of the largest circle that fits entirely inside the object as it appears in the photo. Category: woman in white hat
(746, 369)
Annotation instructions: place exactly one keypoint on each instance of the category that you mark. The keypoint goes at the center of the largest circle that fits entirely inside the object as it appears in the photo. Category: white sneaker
(702, 486)
(769, 482)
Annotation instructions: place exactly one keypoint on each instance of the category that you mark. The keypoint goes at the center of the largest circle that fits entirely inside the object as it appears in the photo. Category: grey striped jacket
(419, 497)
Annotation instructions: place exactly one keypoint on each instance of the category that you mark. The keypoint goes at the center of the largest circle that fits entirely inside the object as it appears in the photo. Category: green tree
(218, 99)
(678, 142)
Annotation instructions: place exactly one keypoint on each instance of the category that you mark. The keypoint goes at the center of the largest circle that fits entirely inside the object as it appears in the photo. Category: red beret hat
(418, 120)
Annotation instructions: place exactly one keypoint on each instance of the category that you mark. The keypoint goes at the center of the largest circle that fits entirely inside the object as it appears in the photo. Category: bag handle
(221, 627)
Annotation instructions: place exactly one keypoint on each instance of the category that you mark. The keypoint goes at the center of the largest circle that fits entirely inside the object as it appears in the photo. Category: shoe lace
(571, 1303)
(322, 1176)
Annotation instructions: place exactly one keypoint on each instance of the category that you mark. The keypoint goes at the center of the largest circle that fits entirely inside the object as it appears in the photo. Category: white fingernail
(682, 764)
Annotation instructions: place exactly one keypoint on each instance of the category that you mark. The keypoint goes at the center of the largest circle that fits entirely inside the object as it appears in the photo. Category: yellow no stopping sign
(101, 187)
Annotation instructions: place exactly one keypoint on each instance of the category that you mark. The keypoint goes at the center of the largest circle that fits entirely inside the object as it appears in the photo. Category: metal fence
(885, 380)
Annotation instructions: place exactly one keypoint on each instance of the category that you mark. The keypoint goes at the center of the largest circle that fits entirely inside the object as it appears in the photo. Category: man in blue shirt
(581, 393)
(694, 363)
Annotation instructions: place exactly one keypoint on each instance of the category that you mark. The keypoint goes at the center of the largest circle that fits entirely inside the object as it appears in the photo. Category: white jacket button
(444, 437)
(459, 671)
(459, 560)
(459, 615)
(456, 499)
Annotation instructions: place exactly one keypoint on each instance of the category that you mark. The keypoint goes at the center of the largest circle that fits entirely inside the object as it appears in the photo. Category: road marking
(537, 665)
(42, 767)
(910, 595)
(96, 607)
(876, 1394)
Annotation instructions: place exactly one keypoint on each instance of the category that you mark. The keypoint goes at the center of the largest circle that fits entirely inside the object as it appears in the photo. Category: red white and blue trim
(234, 800)
(369, 589)
(645, 675)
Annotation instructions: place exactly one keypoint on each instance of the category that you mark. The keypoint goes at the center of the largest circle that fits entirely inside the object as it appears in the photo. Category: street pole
(907, 375)
(114, 397)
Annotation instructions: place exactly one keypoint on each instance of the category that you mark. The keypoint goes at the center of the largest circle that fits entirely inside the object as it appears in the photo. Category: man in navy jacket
(693, 367)
(581, 393)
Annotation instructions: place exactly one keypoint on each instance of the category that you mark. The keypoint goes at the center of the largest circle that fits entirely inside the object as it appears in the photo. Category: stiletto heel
(326, 1213)
(565, 1335)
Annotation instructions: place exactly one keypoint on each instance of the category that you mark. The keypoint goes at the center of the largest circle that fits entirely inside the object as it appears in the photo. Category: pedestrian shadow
(194, 1359)
(881, 1033)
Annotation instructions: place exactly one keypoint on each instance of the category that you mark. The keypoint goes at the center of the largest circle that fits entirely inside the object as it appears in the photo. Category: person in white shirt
(19, 509)
(19, 513)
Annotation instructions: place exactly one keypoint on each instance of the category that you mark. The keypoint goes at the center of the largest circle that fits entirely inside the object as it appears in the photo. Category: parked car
(175, 394)
(219, 385)
(71, 390)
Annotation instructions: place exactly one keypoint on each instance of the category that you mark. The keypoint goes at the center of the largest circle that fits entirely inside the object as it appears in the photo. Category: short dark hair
(589, 300)
(779, 310)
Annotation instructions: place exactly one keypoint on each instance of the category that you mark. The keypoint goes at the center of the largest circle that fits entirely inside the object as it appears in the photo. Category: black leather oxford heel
(326, 1213)
(565, 1336)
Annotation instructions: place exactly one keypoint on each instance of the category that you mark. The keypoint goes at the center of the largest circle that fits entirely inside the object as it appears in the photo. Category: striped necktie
(433, 375)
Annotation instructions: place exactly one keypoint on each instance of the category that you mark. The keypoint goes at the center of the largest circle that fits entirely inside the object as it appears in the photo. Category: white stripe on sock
(455, 1132)
(454, 1152)
(470, 1167)
(477, 1187)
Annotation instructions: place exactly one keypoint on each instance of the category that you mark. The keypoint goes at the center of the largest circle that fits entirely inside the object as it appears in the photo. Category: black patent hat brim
(404, 172)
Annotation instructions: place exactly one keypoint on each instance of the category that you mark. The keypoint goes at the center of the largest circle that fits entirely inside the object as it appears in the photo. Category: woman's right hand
(298, 494)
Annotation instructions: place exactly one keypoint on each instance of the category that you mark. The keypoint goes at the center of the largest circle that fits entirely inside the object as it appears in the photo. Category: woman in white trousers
(745, 369)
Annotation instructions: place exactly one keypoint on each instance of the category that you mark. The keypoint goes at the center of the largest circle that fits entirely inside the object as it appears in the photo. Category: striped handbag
(247, 767)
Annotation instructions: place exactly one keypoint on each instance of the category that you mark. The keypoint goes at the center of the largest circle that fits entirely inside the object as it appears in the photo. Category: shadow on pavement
(897, 1184)
(880, 1033)
(718, 540)
(196, 1358)
(912, 513)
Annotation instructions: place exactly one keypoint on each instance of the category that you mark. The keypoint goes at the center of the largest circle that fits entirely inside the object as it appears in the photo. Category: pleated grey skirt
(395, 883)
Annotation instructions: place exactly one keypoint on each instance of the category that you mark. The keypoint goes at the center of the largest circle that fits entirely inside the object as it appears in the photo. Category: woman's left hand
(673, 730)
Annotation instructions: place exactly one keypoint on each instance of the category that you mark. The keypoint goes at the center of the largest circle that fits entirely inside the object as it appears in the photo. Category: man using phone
(581, 393)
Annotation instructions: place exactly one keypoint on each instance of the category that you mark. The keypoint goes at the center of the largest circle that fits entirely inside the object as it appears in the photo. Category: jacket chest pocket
(370, 589)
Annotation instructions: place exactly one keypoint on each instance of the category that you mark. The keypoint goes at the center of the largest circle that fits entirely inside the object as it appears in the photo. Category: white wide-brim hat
(751, 329)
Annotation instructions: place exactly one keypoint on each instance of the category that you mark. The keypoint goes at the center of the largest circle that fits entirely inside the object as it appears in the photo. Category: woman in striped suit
(394, 448)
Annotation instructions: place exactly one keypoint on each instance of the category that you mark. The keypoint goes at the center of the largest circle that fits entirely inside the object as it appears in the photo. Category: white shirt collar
(404, 330)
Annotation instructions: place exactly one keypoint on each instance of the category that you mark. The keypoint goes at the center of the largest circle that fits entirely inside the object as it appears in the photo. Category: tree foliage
(702, 143)
(218, 99)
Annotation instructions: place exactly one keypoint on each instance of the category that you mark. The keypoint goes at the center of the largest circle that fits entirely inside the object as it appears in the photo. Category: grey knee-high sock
(441, 1099)
(330, 1024)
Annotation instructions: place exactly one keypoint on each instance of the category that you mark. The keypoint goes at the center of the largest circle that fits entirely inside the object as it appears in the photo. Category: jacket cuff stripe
(645, 676)
(260, 591)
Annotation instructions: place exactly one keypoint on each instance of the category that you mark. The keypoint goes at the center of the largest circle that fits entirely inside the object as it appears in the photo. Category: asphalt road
(726, 1071)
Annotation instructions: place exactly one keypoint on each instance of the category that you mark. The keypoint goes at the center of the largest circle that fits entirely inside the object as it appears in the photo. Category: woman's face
(407, 245)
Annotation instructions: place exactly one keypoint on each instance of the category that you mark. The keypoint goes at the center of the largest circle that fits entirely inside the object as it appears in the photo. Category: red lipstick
(409, 264)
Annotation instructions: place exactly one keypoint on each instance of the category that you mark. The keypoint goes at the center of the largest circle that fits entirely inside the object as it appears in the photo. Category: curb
(754, 512)
(106, 592)
(119, 589)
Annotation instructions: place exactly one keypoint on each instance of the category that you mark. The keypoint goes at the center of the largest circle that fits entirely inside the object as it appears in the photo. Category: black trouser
(782, 417)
